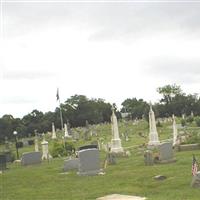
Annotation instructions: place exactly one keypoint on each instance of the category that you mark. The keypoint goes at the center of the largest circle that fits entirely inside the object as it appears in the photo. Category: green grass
(129, 176)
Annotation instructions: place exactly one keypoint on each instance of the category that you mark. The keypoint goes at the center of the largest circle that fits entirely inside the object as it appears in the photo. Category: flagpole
(61, 118)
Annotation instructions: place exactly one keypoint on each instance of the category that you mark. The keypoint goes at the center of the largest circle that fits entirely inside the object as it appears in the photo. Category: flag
(194, 166)
(57, 95)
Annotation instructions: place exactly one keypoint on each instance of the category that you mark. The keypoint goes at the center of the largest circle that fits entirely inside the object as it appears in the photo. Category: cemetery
(118, 160)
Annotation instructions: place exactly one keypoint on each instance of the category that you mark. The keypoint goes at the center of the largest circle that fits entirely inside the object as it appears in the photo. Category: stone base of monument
(196, 180)
(71, 164)
(165, 161)
(188, 147)
(120, 197)
(116, 146)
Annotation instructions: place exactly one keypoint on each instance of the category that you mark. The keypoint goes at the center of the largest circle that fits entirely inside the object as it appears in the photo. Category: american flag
(194, 166)
(57, 95)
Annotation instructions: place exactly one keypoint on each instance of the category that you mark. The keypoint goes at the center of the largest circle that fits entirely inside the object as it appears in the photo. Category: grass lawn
(129, 176)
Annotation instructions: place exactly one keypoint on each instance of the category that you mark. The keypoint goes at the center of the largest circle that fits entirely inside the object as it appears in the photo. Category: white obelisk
(175, 132)
(116, 146)
(153, 134)
(53, 131)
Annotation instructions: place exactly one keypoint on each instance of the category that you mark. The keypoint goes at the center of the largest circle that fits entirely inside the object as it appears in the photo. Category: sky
(112, 50)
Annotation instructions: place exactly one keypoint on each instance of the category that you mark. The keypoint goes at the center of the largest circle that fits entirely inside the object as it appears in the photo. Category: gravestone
(89, 162)
(90, 146)
(31, 158)
(25, 143)
(9, 155)
(2, 162)
(148, 157)
(7, 145)
(111, 158)
(165, 151)
(71, 164)
(45, 150)
(196, 180)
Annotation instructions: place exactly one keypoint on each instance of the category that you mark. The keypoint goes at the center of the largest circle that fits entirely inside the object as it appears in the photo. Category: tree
(137, 108)
(78, 108)
(169, 92)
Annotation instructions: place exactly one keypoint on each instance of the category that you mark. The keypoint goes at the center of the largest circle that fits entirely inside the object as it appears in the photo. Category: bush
(20, 145)
(70, 148)
(193, 139)
(59, 149)
(197, 120)
(159, 124)
(190, 119)
(30, 142)
(183, 122)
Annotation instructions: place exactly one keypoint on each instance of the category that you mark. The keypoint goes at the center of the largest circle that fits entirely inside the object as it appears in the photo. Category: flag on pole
(194, 166)
(57, 95)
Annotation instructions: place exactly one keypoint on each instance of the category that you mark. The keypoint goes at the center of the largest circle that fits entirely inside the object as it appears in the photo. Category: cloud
(183, 70)
(26, 75)
(107, 20)
(17, 100)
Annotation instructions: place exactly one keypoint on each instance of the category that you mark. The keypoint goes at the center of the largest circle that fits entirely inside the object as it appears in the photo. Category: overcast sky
(110, 50)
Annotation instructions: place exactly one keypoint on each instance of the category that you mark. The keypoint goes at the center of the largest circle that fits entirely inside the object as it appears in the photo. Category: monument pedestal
(116, 146)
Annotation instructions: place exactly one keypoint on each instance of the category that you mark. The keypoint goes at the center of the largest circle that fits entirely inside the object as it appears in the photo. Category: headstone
(71, 164)
(111, 158)
(196, 180)
(90, 146)
(2, 162)
(25, 143)
(165, 151)
(153, 134)
(7, 146)
(36, 144)
(53, 131)
(116, 146)
(89, 162)
(148, 157)
(9, 155)
(68, 128)
(31, 158)
(45, 150)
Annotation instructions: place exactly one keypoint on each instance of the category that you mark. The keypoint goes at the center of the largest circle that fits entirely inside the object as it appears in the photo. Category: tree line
(78, 109)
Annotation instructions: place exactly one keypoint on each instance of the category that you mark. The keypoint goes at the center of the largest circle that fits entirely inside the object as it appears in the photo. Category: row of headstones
(75, 134)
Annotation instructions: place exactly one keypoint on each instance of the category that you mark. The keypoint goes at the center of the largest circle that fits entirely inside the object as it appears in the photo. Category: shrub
(69, 148)
(190, 119)
(30, 142)
(183, 122)
(197, 120)
(59, 149)
(159, 124)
